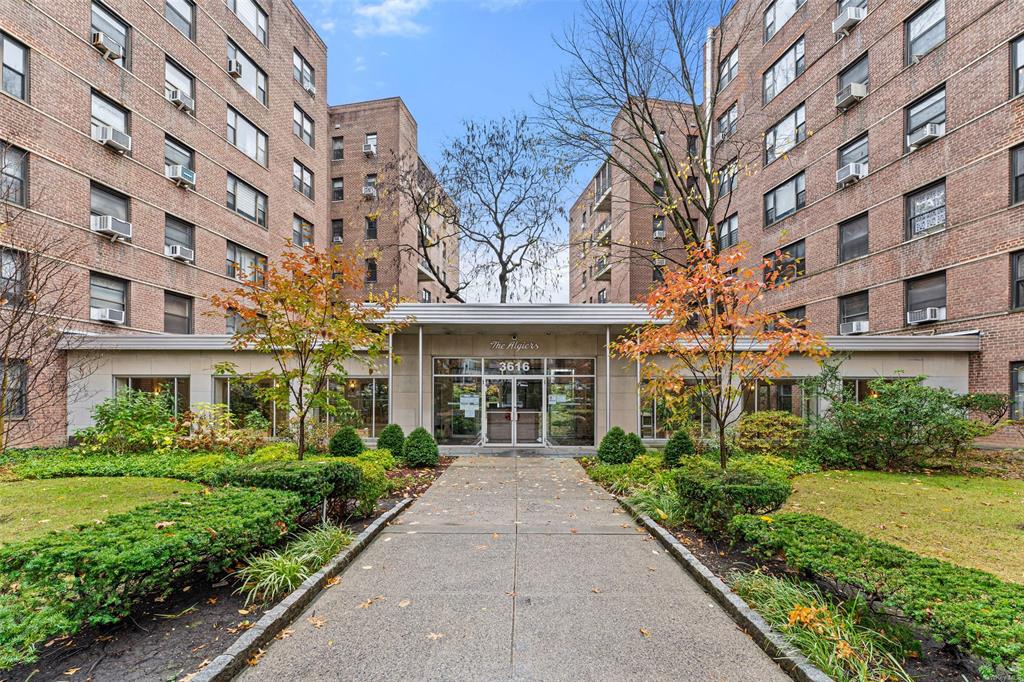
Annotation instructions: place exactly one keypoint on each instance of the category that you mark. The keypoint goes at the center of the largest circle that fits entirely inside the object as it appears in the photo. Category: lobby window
(177, 78)
(1017, 278)
(247, 201)
(857, 72)
(106, 113)
(302, 179)
(784, 135)
(14, 57)
(371, 270)
(302, 126)
(927, 292)
(116, 34)
(777, 14)
(176, 388)
(1017, 175)
(253, 78)
(1017, 66)
(853, 238)
(246, 137)
(728, 232)
(1017, 390)
(182, 15)
(14, 375)
(929, 109)
(602, 296)
(925, 30)
(779, 394)
(784, 71)
(854, 152)
(177, 313)
(371, 227)
(13, 174)
(107, 202)
(107, 293)
(337, 148)
(784, 200)
(926, 210)
(853, 308)
(252, 15)
(337, 231)
(178, 233)
(337, 189)
(177, 154)
(243, 263)
(302, 231)
(789, 262)
(728, 68)
(303, 71)
(12, 275)
(728, 177)
(727, 122)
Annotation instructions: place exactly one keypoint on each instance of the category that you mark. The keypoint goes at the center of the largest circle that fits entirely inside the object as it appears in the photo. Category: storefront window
(177, 387)
(571, 410)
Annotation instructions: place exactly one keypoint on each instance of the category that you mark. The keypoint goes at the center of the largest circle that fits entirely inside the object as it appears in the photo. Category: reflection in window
(784, 395)
(175, 388)
(241, 399)
(571, 410)
(457, 409)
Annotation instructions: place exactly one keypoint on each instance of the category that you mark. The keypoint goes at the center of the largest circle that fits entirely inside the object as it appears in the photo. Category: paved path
(515, 568)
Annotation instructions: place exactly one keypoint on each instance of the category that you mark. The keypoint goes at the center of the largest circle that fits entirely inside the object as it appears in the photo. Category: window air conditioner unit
(182, 101)
(105, 44)
(310, 88)
(370, 149)
(659, 234)
(183, 177)
(926, 315)
(116, 139)
(110, 226)
(659, 262)
(336, 239)
(851, 328)
(721, 137)
(923, 135)
(178, 252)
(369, 192)
(111, 315)
(851, 173)
(850, 95)
(848, 18)
(235, 68)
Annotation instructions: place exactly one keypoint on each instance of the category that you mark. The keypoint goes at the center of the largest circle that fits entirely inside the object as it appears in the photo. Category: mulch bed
(172, 638)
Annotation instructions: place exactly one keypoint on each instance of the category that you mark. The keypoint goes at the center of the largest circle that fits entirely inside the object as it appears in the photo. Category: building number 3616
(514, 367)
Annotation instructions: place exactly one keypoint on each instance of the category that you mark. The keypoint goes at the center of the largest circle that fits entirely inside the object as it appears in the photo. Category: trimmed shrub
(771, 433)
(970, 609)
(382, 457)
(70, 463)
(372, 486)
(95, 574)
(130, 421)
(615, 447)
(635, 445)
(346, 443)
(710, 497)
(627, 478)
(679, 445)
(283, 451)
(313, 481)
(420, 449)
(391, 438)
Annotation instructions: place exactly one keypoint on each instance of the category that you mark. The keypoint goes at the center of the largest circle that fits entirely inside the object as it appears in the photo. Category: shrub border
(236, 657)
(774, 644)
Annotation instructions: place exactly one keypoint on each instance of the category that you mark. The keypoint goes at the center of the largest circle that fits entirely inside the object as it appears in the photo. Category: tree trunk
(302, 435)
(503, 287)
(723, 452)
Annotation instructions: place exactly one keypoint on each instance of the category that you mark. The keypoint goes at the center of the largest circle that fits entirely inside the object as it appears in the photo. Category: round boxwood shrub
(420, 449)
(391, 438)
(346, 443)
(679, 445)
(615, 447)
(709, 497)
(635, 445)
(771, 433)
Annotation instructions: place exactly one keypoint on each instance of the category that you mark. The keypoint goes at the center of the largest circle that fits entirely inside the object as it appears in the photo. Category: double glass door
(514, 411)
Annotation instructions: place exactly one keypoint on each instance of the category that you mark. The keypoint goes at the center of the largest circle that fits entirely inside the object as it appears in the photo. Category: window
(925, 30)
(177, 78)
(370, 181)
(602, 296)
(728, 177)
(784, 71)
(843, 4)
(14, 57)
(337, 230)
(177, 313)
(1017, 175)
(425, 296)
(371, 270)
(853, 308)
(789, 262)
(853, 238)
(13, 174)
(302, 125)
(929, 109)
(854, 152)
(175, 387)
(658, 226)
(926, 210)
(116, 31)
(302, 179)
(371, 228)
(784, 200)
(243, 263)
(658, 273)
(1017, 278)
(253, 78)
(14, 374)
(728, 232)
(178, 233)
(1016, 67)
(302, 71)
(247, 137)
(727, 123)
(107, 293)
(337, 189)
(728, 68)
(107, 114)
(926, 292)
(103, 201)
(12, 275)
(252, 15)
(1017, 390)
(182, 15)
(371, 141)
(777, 14)
(302, 231)
(247, 201)
(796, 315)
(855, 73)
(337, 148)
(177, 154)
(784, 135)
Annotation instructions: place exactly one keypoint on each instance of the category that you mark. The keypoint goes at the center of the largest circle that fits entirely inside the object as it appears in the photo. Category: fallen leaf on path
(367, 568)
(331, 582)
(651, 568)
(212, 601)
(595, 590)
(243, 612)
(366, 604)
(645, 632)
(71, 671)
(435, 635)
(284, 634)
(255, 658)
(317, 621)
(405, 602)
(244, 625)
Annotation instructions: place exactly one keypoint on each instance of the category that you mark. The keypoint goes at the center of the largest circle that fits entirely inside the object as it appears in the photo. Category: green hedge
(95, 574)
(710, 497)
(965, 607)
(373, 483)
(314, 481)
(380, 456)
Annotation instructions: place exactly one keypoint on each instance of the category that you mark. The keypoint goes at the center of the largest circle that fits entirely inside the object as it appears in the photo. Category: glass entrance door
(515, 411)
(500, 411)
(529, 412)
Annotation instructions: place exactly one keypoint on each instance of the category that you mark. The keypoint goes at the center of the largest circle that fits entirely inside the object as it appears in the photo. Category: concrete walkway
(514, 568)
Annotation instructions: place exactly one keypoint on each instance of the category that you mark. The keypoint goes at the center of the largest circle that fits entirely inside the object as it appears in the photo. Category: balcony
(603, 269)
(603, 234)
(423, 273)
(603, 189)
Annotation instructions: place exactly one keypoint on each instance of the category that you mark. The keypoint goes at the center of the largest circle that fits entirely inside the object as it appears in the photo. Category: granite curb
(773, 644)
(229, 663)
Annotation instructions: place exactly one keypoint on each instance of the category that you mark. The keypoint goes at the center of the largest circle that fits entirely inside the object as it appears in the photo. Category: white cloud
(360, 64)
(327, 25)
(389, 17)
(499, 5)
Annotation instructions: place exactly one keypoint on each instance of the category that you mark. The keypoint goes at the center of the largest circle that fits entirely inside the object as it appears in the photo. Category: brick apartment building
(368, 140)
(891, 169)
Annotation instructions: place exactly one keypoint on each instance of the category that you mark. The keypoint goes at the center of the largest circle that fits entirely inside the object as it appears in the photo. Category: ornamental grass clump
(275, 573)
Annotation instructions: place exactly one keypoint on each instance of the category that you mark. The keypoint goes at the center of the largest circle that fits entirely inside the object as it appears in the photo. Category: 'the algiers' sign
(514, 345)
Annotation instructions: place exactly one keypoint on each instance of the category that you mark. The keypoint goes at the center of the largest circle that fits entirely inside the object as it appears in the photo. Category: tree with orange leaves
(709, 337)
(307, 312)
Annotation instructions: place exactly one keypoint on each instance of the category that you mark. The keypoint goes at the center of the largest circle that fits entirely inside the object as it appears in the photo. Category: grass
(32, 508)
(974, 522)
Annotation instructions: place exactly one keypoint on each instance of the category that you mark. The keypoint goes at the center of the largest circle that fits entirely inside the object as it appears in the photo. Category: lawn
(31, 508)
(976, 522)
